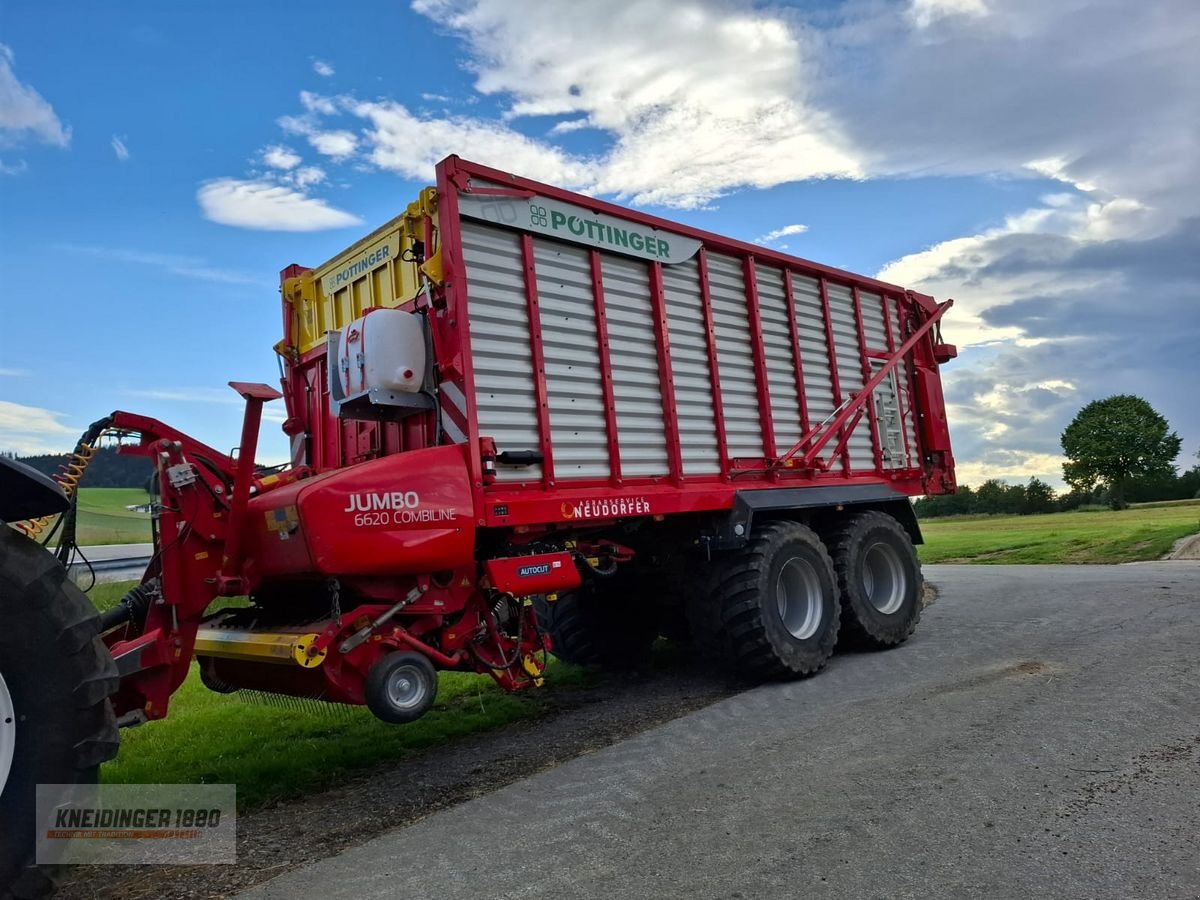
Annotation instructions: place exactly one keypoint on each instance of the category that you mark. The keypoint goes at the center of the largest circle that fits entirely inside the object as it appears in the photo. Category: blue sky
(162, 162)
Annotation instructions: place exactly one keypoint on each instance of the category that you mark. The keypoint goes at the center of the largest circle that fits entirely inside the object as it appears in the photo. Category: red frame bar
(714, 368)
(606, 375)
(538, 358)
(872, 417)
(831, 349)
(754, 314)
(666, 377)
(797, 358)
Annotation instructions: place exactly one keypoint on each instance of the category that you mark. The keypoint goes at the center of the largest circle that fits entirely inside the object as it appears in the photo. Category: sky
(1038, 162)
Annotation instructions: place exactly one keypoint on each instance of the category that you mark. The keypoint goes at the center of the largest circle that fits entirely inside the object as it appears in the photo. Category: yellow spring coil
(68, 478)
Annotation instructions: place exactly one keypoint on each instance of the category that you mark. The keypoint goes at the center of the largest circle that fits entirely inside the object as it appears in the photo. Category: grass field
(103, 518)
(275, 751)
(1143, 532)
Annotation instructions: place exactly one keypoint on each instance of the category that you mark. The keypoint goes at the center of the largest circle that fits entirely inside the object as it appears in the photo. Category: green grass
(274, 752)
(103, 518)
(1138, 533)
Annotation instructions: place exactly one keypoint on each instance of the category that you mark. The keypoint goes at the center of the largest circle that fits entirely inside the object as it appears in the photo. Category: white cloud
(404, 143)
(20, 167)
(32, 429)
(322, 68)
(771, 236)
(306, 176)
(925, 12)
(266, 206)
(700, 97)
(119, 148)
(23, 111)
(184, 266)
(336, 144)
(278, 156)
(15, 373)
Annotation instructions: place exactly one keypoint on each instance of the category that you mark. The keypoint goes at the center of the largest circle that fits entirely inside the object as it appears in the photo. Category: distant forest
(107, 468)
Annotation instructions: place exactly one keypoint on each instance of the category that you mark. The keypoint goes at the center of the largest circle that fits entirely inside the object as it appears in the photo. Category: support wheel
(56, 721)
(401, 687)
(879, 577)
(775, 604)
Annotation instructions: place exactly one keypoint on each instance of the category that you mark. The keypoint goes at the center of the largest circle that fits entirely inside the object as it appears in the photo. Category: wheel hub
(404, 688)
(8, 732)
(883, 578)
(798, 595)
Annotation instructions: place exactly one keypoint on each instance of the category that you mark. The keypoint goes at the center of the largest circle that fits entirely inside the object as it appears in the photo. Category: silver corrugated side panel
(570, 346)
(637, 388)
(689, 367)
(850, 373)
(906, 410)
(505, 401)
(873, 324)
(735, 356)
(814, 353)
(780, 360)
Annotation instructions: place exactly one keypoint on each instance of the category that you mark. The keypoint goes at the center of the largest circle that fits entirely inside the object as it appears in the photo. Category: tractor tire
(401, 687)
(879, 578)
(56, 721)
(774, 604)
(599, 626)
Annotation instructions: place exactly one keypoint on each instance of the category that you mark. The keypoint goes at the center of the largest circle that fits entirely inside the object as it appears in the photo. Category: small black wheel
(401, 687)
(879, 578)
(775, 604)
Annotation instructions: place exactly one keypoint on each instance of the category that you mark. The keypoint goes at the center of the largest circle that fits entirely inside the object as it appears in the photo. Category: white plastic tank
(379, 356)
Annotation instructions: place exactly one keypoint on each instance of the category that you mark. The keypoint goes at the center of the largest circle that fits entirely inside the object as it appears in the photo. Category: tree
(1115, 439)
(1039, 497)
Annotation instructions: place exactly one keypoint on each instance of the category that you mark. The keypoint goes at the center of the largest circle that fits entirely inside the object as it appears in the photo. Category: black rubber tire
(404, 663)
(60, 676)
(741, 603)
(610, 625)
(864, 625)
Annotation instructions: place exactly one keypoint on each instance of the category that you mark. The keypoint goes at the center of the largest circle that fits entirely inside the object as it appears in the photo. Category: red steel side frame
(449, 176)
(714, 369)
(754, 314)
(538, 358)
(797, 358)
(606, 373)
(831, 348)
(666, 376)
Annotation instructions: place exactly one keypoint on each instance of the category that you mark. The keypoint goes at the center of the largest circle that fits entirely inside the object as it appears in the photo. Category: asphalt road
(113, 562)
(1038, 737)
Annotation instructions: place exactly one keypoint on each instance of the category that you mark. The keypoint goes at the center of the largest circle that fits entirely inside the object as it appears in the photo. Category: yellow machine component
(533, 670)
(68, 479)
(381, 270)
(258, 646)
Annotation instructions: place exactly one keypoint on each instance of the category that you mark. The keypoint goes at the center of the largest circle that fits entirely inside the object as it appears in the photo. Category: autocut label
(568, 222)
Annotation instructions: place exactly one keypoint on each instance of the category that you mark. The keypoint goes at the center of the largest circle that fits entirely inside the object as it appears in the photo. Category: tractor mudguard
(25, 493)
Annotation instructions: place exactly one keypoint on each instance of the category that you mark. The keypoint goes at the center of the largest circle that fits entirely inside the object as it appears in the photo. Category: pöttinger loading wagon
(522, 420)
